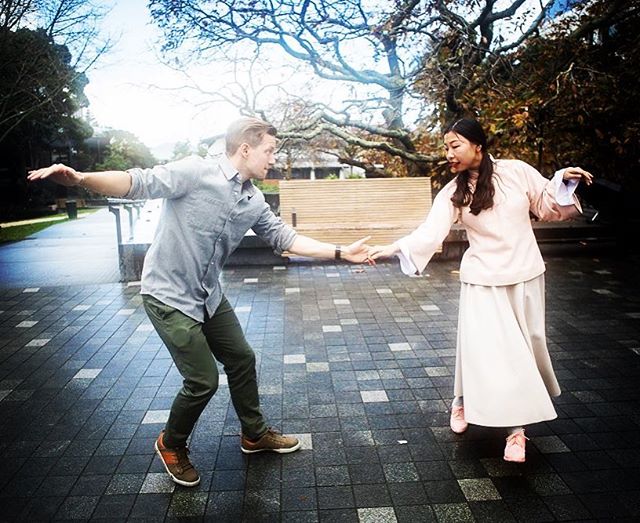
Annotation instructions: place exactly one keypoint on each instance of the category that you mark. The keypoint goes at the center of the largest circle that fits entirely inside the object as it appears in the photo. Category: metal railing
(116, 205)
(127, 259)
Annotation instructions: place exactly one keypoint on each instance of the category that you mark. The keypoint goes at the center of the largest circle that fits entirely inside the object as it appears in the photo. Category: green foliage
(40, 96)
(267, 188)
(125, 151)
(20, 232)
(40, 90)
(181, 150)
(568, 97)
(331, 177)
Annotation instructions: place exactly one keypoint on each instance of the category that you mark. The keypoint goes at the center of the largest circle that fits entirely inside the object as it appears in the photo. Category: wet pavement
(357, 361)
(74, 252)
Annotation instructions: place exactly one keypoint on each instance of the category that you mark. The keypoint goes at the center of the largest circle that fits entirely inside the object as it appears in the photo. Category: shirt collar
(231, 173)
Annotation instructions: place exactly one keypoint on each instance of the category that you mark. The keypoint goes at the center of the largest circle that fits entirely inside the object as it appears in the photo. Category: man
(209, 206)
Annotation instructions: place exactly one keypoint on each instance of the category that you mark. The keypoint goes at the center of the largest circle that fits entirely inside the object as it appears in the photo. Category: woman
(503, 375)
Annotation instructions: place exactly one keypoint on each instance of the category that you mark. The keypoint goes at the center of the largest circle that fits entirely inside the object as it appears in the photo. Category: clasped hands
(360, 252)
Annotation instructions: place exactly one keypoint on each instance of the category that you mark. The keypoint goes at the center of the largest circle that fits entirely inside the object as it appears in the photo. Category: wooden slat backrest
(345, 210)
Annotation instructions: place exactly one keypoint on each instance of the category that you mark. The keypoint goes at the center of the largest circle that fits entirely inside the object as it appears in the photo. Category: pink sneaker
(457, 422)
(514, 449)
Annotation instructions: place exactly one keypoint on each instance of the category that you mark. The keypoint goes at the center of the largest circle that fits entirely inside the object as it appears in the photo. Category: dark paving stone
(372, 495)
(299, 499)
(13, 507)
(42, 508)
(529, 509)
(338, 516)
(114, 507)
(410, 514)
(414, 493)
(490, 511)
(77, 507)
(151, 506)
(567, 508)
(187, 503)
(262, 501)
(307, 516)
(335, 497)
(443, 491)
(225, 503)
(605, 505)
(78, 448)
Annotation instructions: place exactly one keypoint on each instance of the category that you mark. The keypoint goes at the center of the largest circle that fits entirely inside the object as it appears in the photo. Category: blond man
(209, 205)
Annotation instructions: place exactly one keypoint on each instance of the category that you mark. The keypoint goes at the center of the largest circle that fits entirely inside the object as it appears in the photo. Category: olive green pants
(195, 347)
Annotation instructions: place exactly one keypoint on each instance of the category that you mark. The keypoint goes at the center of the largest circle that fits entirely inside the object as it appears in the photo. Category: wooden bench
(342, 211)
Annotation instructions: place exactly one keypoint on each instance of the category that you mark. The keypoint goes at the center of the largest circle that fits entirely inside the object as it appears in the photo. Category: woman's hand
(382, 251)
(576, 173)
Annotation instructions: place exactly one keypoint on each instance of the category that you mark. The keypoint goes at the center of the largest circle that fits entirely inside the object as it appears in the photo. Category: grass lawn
(13, 233)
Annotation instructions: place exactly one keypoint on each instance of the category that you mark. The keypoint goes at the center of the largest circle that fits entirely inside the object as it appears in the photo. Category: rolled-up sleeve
(171, 180)
(274, 231)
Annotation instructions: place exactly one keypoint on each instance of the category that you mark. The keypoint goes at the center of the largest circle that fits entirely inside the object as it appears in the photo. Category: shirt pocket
(205, 214)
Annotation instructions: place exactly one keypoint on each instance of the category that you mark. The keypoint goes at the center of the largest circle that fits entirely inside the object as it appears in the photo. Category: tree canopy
(39, 96)
(569, 95)
(383, 48)
(125, 151)
(407, 65)
(46, 47)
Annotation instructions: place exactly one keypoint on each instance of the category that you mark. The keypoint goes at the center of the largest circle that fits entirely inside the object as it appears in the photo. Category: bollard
(72, 209)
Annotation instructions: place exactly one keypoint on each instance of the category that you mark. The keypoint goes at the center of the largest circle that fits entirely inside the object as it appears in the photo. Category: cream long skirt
(503, 368)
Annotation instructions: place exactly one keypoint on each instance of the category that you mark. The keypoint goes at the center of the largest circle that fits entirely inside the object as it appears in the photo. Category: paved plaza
(357, 361)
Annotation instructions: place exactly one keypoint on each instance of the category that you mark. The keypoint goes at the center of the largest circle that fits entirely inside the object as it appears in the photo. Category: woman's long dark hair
(482, 196)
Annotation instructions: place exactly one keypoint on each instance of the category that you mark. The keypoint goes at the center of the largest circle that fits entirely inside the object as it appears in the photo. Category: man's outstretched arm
(305, 246)
(109, 183)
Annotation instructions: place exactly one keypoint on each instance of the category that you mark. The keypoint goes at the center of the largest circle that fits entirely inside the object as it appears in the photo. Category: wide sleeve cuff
(565, 191)
(406, 264)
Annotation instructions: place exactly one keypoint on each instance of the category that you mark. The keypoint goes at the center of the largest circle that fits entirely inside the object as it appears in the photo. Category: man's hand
(58, 173)
(576, 173)
(357, 252)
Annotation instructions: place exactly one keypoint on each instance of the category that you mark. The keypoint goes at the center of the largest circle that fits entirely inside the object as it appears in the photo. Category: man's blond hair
(247, 130)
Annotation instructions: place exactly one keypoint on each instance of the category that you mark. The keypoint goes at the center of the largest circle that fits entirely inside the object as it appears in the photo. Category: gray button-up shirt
(206, 212)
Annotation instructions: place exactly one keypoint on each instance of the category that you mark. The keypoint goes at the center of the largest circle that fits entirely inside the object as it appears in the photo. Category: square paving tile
(358, 365)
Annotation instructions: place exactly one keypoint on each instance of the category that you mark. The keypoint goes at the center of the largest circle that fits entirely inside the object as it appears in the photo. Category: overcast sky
(122, 97)
(119, 92)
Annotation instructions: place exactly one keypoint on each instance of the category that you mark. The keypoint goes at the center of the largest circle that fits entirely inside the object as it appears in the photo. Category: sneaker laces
(514, 438)
(183, 461)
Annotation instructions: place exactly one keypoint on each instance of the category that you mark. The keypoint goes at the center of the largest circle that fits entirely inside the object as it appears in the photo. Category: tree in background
(377, 49)
(569, 96)
(181, 150)
(40, 95)
(125, 151)
(46, 46)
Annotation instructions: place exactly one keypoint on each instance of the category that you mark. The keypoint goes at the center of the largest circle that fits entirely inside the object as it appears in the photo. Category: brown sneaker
(270, 441)
(177, 464)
